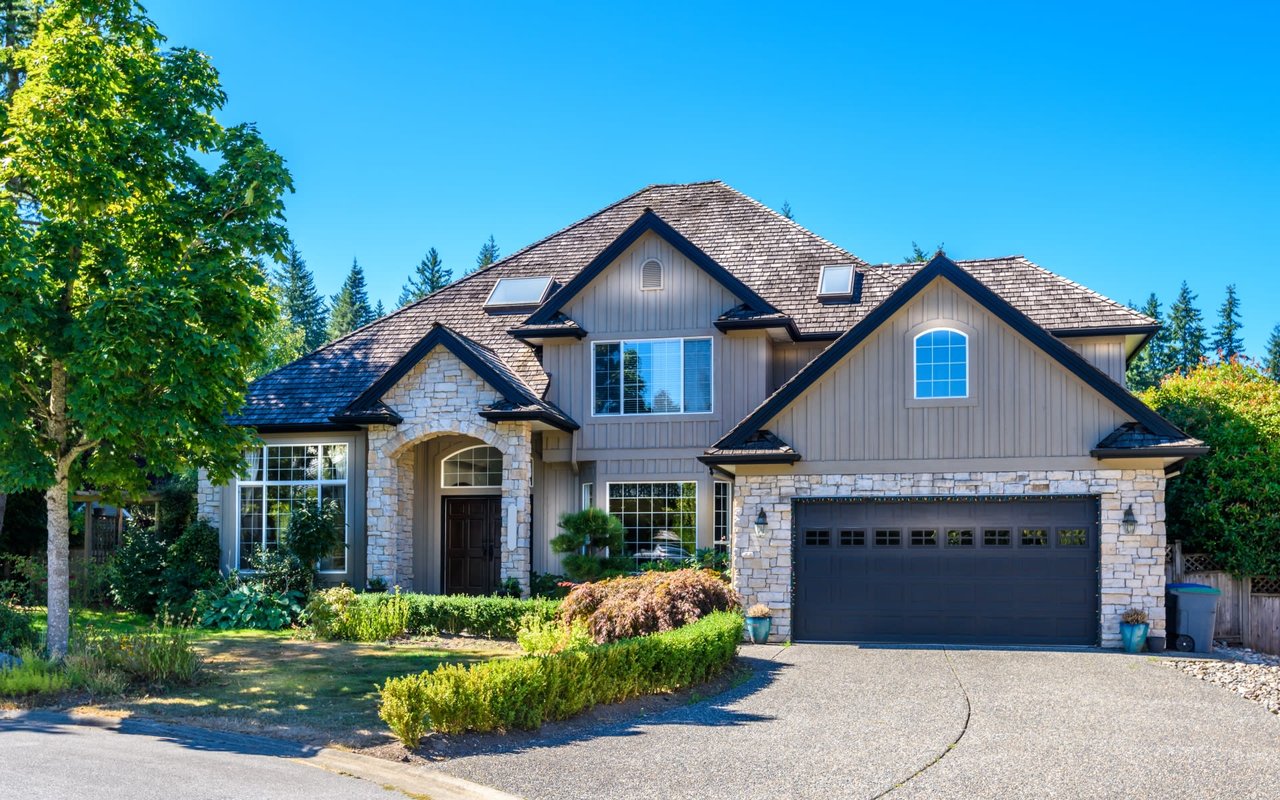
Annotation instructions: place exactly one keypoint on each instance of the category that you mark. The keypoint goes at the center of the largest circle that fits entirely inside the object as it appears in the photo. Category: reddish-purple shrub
(640, 605)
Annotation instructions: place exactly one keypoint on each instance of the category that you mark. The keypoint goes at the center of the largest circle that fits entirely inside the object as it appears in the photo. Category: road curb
(406, 778)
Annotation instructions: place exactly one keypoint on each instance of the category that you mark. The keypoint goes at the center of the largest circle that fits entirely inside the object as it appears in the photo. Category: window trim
(588, 495)
(263, 483)
(971, 353)
(697, 505)
(459, 452)
(915, 363)
(711, 408)
(716, 542)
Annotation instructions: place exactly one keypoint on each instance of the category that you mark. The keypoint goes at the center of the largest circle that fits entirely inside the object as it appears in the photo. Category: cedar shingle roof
(772, 255)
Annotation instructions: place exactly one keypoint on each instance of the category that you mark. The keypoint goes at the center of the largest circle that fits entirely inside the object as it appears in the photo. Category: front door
(472, 530)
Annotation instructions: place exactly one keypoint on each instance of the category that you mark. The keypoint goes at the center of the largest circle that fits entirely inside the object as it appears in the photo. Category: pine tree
(1226, 334)
(1186, 331)
(350, 306)
(919, 256)
(431, 275)
(379, 311)
(488, 254)
(300, 301)
(786, 210)
(1271, 362)
(1153, 362)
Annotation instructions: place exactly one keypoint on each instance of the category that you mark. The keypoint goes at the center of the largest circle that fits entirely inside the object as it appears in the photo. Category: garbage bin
(1192, 611)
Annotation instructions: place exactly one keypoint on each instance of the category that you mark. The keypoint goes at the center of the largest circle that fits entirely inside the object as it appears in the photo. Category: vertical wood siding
(556, 494)
(1027, 405)
(1104, 352)
(787, 358)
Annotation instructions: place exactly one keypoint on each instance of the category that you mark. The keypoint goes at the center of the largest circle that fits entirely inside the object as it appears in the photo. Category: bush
(588, 536)
(16, 631)
(30, 585)
(342, 614)
(34, 676)
(639, 605)
(137, 570)
(162, 657)
(280, 571)
(543, 584)
(527, 691)
(191, 565)
(251, 605)
(1227, 503)
(314, 533)
(540, 637)
(151, 572)
(704, 558)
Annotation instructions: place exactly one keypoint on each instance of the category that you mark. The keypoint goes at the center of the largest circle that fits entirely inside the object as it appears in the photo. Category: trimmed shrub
(16, 631)
(588, 535)
(640, 605)
(342, 614)
(527, 691)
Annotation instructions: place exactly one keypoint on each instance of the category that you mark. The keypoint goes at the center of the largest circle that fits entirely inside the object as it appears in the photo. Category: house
(941, 452)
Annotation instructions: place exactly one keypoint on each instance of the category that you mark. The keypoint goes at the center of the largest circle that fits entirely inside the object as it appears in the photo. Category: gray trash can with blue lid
(1192, 611)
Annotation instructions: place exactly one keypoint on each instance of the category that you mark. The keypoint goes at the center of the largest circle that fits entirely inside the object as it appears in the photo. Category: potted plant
(1133, 630)
(759, 620)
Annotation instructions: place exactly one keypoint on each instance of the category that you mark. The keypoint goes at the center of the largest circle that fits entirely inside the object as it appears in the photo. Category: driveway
(839, 721)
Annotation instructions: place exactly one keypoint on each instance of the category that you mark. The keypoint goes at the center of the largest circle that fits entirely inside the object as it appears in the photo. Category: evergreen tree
(488, 254)
(350, 306)
(1271, 362)
(786, 210)
(379, 311)
(1226, 334)
(1186, 331)
(430, 276)
(919, 256)
(1152, 362)
(300, 301)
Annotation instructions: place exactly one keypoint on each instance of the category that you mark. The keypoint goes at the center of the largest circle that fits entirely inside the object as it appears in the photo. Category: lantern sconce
(762, 523)
(1129, 522)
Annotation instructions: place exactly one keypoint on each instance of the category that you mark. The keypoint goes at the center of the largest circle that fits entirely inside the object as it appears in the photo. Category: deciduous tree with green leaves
(431, 275)
(1226, 334)
(350, 307)
(131, 302)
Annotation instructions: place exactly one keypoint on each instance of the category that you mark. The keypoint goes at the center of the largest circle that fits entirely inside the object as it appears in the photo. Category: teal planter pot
(1134, 636)
(758, 628)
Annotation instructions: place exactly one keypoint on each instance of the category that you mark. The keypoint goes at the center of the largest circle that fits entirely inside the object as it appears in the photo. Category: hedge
(342, 614)
(524, 692)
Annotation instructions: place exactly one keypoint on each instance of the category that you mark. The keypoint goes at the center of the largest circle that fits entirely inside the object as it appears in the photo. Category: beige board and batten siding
(614, 307)
(557, 492)
(1024, 405)
(1104, 352)
(787, 358)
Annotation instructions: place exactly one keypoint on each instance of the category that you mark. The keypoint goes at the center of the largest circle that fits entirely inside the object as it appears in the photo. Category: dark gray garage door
(939, 571)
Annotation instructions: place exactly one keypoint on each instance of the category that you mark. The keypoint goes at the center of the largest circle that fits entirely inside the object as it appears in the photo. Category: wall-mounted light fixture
(762, 523)
(1129, 522)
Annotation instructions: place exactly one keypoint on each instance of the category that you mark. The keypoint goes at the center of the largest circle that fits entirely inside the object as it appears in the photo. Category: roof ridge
(792, 222)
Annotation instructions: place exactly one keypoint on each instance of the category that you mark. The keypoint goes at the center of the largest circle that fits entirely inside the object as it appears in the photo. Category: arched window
(479, 466)
(942, 364)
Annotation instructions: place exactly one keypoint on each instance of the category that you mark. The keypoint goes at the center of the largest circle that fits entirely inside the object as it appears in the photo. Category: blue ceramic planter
(1134, 636)
(758, 628)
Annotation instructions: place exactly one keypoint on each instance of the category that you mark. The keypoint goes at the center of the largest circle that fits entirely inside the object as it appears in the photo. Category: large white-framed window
(722, 496)
(941, 364)
(659, 518)
(472, 467)
(280, 479)
(652, 376)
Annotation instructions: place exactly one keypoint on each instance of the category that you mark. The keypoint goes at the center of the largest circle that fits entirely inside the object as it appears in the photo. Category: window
(479, 466)
(281, 479)
(997, 537)
(651, 275)
(836, 281)
(723, 497)
(653, 376)
(518, 292)
(853, 538)
(888, 538)
(959, 538)
(1034, 537)
(924, 538)
(1073, 537)
(817, 538)
(942, 364)
(659, 519)
(587, 490)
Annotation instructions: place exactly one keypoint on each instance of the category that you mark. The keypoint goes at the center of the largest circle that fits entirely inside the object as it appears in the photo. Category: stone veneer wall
(441, 395)
(208, 499)
(1132, 568)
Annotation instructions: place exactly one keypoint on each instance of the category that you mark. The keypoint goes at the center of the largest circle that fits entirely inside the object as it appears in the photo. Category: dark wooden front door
(472, 527)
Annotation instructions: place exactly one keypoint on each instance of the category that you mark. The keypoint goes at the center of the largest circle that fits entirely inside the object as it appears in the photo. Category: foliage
(759, 610)
(25, 523)
(284, 341)
(703, 558)
(30, 583)
(786, 210)
(543, 584)
(588, 536)
(16, 631)
(300, 301)
(279, 571)
(164, 656)
(920, 256)
(35, 676)
(314, 533)
(1226, 334)
(131, 303)
(1226, 503)
(342, 614)
(137, 570)
(488, 254)
(639, 605)
(1186, 332)
(149, 573)
(349, 309)
(525, 692)
(431, 275)
(191, 564)
(176, 496)
(252, 605)
(542, 637)
(586, 567)
(1134, 616)
(1271, 362)
(1153, 361)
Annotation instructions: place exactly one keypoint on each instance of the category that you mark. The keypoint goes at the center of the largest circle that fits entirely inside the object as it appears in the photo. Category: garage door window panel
(817, 538)
(997, 537)
(924, 538)
(1073, 537)
(888, 538)
(853, 538)
(1034, 537)
(960, 537)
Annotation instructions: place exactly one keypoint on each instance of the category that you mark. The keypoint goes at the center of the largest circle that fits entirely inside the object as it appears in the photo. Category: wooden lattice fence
(1249, 608)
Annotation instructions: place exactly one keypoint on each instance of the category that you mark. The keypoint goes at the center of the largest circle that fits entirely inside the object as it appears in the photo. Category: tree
(349, 308)
(1152, 362)
(1226, 334)
(283, 340)
(1272, 360)
(301, 302)
(1186, 331)
(488, 254)
(379, 311)
(786, 210)
(431, 275)
(131, 303)
(919, 256)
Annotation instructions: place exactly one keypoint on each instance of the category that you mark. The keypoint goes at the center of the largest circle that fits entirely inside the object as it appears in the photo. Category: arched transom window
(942, 364)
(479, 466)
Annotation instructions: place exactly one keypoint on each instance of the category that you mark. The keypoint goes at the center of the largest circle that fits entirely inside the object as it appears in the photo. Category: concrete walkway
(826, 721)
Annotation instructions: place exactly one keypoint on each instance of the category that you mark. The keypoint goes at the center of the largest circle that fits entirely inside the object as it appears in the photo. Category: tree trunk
(59, 602)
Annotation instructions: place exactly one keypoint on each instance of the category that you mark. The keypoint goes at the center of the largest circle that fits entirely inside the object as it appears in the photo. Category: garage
(947, 571)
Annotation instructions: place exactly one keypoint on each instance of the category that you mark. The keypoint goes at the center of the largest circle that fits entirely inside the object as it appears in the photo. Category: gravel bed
(1248, 673)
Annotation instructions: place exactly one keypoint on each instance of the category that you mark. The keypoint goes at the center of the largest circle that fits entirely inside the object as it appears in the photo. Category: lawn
(278, 683)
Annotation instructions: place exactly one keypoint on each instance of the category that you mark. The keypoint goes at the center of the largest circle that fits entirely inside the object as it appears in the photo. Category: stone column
(517, 505)
(389, 509)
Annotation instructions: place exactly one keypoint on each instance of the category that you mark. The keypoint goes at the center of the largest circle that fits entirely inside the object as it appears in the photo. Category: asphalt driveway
(827, 721)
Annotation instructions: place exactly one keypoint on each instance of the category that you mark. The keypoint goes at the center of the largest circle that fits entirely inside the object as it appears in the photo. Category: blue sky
(1127, 146)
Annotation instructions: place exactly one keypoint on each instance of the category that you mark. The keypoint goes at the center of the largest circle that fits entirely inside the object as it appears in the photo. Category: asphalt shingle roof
(772, 255)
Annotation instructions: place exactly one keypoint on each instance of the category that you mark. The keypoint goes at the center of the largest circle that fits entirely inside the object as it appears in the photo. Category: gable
(1023, 403)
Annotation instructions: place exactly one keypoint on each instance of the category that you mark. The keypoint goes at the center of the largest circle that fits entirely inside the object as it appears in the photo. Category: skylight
(836, 281)
(518, 292)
